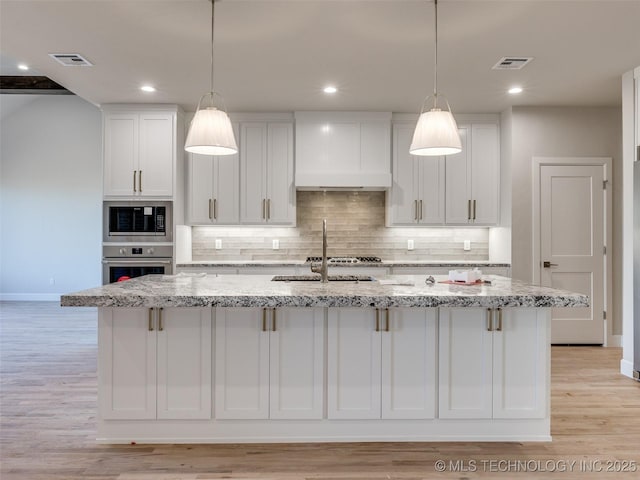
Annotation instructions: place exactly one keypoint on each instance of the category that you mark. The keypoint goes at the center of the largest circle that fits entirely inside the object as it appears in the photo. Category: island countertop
(199, 290)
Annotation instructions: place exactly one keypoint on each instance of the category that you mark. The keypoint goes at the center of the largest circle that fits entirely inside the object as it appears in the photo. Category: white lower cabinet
(493, 363)
(155, 363)
(381, 363)
(269, 363)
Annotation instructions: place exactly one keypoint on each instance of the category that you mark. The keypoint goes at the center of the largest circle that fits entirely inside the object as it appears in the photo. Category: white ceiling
(277, 55)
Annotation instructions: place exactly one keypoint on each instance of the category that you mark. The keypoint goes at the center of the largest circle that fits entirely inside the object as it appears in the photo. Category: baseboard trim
(626, 368)
(30, 297)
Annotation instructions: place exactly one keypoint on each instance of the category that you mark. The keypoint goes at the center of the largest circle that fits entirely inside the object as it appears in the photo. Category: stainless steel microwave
(137, 222)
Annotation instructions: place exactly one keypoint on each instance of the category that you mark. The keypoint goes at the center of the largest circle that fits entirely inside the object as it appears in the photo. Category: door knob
(546, 264)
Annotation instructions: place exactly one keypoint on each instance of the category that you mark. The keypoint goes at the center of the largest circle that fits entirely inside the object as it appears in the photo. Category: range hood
(343, 150)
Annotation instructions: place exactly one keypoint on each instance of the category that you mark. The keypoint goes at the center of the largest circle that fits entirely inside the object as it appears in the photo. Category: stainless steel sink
(317, 278)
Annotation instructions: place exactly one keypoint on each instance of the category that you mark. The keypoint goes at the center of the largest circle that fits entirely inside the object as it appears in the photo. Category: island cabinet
(155, 363)
(493, 363)
(381, 363)
(269, 363)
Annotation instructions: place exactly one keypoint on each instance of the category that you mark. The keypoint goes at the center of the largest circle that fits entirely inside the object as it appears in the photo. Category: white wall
(563, 132)
(50, 196)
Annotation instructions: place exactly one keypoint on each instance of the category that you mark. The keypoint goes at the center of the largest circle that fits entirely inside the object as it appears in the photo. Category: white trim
(606, 162)
(30, 297)
(626, 368)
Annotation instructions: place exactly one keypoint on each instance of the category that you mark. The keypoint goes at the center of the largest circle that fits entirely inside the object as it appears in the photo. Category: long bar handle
(264, 208)
(264, 319)
(268, 209)
(140, 181)
(468, 209)
(215, 208)
(386, 311)
(474, 209)
(489, 320)
(210, 213)
(377, 319)
(160, 324)
(151, 319)
(420, 210)
(134, 180)
(499, 328)
(415, 209)
(273, 320)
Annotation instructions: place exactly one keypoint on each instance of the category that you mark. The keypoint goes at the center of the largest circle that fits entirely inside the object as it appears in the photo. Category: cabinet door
(253, 164)
(296, 363)
(465, 380)
(242, 364)
(280, 188)
(353, 363)
(521, 364)
(374, 147)
(409, 364)
(120, 154)
(201, 169)
(404, 194)
(485, 173)
(127, 364)
(432, 185)
(157, 151)
(184, 363)
(458, 181)
(226, 178)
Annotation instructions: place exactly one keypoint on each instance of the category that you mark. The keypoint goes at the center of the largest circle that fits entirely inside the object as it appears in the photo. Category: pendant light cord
(435, 70)
(213, 7)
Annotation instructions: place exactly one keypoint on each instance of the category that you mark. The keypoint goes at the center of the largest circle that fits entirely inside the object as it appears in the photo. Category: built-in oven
(137, 221)
(125, 261)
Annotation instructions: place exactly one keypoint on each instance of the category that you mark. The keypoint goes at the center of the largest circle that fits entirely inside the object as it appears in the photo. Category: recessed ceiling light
(22, 66)
(330, 89)
(147, 88)
(515, 90)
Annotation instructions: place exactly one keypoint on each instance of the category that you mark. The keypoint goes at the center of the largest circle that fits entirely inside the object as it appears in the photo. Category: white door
(201, 169)
(127, 363)
(253, 165)
(184, 363)
(403, 204)
(242, 363)
(121, 154)
(458, 181)
(485, 168)
(466, 371)
(280, 189)
(572, 237)
(353, 364)
(155, 168)
(409, 363)
(296, 363)
(226, 194)
(431, 197)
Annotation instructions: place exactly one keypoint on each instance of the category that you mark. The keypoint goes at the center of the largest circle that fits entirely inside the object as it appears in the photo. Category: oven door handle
(137, 262)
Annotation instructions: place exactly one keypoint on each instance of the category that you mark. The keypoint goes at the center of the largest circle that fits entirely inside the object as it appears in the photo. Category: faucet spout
(323, 269)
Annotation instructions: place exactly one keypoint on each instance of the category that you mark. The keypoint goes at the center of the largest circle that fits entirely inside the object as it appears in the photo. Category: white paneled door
(572, 240)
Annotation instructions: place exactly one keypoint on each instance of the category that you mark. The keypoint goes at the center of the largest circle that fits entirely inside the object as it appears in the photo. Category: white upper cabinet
(267, 194)
(213, 189)
(343, 149)
(140, 151)
(417, 192)
(473, 177)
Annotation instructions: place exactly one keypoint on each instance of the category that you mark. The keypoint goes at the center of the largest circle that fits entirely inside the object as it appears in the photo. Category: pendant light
(210, 132)
(436, 132)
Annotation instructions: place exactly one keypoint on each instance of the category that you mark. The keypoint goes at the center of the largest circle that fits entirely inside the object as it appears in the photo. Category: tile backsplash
(355, 226)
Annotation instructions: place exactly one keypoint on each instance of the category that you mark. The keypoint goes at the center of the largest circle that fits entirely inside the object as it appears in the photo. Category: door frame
(606, 163)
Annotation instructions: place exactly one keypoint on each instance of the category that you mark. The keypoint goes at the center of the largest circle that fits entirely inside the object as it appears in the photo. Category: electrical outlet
(467, 245)
(275, 244)
(218, 244)
(409, 244)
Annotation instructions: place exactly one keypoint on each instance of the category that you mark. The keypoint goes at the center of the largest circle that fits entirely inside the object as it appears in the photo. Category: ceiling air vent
(71, 59)
(512, 63)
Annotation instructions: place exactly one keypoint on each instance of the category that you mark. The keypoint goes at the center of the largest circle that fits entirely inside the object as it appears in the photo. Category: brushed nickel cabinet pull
(268, 209)
(140, 181)
(264, 208)
(468, 209)
(415, 209)
(215, 208)
(499, 328)
(420, 210)
(489, 320)
(151, 319)
(134, 181)
(474, 209)
(210, 214)
(264, 319)
(160, 325)
(273, 319)
(377, 319)
(386, 311)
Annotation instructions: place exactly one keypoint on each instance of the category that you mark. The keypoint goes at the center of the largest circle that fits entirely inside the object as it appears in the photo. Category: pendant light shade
(436, 132)
(210, 131)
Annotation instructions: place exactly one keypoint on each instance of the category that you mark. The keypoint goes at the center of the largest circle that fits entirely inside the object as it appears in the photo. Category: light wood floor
(48, 409)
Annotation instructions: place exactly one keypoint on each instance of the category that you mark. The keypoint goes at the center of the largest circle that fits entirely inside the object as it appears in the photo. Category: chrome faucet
(323, 268)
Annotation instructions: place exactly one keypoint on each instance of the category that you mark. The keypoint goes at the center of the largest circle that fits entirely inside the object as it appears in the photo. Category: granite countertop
(199, 290)
(384, 263)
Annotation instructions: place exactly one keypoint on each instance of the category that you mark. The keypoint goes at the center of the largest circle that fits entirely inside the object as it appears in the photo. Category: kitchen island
(203, 358)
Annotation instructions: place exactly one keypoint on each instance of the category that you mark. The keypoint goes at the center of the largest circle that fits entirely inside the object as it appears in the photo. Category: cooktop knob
(150, 251)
